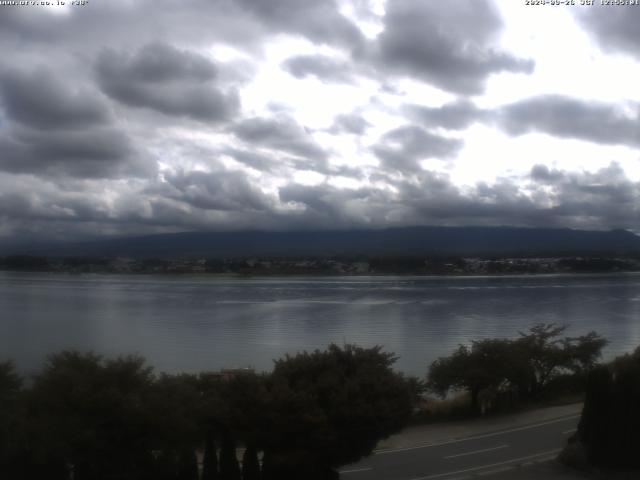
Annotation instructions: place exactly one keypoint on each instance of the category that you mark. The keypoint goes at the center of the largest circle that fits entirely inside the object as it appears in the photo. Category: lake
(193, 323)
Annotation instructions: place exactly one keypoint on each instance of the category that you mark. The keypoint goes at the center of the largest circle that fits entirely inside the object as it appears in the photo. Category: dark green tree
(548, 355)
(329, 408)
(91, 414)
(166, 465)
(174, 403)
(210, 459)
(250, 464)
(229, 466)
(10, 418)
(187, 465)
(610, 419)
(524, 366)
(487, 364)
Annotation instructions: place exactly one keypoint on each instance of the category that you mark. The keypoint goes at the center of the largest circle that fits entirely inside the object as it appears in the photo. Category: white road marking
(482, 467)
(355, 470)
(466, 439)
(567, 432)
(477, 451)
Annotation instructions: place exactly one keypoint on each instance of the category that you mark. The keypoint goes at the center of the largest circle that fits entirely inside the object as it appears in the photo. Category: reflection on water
(198, 323)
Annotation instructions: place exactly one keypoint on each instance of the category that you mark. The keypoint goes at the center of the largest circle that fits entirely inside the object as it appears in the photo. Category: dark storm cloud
(167, 80)
(251, 159)
(222, 189)
(40, 99)
(284, 162)
(30, 199)
(605, 198)
(102, 152)
(75, 137)
(241, 22)
(324, 68)
(568, 117)
(158, 63)
(453, 116)
(318, 20)
(54, 129)
(326, 206)
(542, 174)
(402, 148)
(614, 28)
(281, 134)
(124, 24)
(450, 45)
(350, 123)
(428, 198)
(555, 115)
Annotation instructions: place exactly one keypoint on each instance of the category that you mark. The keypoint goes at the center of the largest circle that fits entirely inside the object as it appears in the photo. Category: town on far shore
(384, 265)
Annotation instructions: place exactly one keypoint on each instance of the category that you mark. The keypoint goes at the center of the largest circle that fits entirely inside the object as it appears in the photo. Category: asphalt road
(480, 455)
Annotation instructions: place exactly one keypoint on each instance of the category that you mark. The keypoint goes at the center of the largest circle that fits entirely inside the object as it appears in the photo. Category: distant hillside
(422, 241)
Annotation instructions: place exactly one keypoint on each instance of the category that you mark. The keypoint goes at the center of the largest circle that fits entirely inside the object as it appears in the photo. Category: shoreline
(231, 275)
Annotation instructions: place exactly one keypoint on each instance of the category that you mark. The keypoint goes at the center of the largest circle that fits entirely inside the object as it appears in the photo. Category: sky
(128, 117)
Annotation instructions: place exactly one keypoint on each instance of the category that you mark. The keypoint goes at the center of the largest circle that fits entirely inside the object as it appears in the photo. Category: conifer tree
(187, 465)
(210, 460)
(250, 464)
(229, 467)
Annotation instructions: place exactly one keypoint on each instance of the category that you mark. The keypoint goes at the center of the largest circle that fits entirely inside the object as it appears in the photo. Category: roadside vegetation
(502, 374)
(607, 435)
(86, 417)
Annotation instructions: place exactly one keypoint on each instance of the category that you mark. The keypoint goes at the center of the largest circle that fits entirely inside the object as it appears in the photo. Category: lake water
(200, 323)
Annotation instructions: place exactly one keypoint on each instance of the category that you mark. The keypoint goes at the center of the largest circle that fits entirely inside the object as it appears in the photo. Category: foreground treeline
(89, 418)
(501, 373)
(609, 430)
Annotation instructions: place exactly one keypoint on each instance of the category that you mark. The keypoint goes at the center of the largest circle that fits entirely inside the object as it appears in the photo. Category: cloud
(103, 152)
(568, 117)
(606, 198)
(350, 123)
(318, 20)
(451, 45)
(171, 81)
(61, 131)
(127, 129)
(326, 206)
(323, 67)
(556, 115)
(252, 159)
(222, 189)
(281, 134)
(402, 148)
(452, 116)
(41, 100)
(615, 28)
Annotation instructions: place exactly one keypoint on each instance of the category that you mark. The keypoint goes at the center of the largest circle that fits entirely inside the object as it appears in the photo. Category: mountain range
(407, 241)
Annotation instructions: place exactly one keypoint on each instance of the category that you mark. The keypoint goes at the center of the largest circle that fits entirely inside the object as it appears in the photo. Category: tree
(524, 366)
(10, 390)
(187, 465)
(487, 364)
(329, 408)
(544, 355)
(583, 352)
(91, 414)
(250, 464)
(610, 419)
(229, 467)
(547, 355)
(174, 402)
(210, 459)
